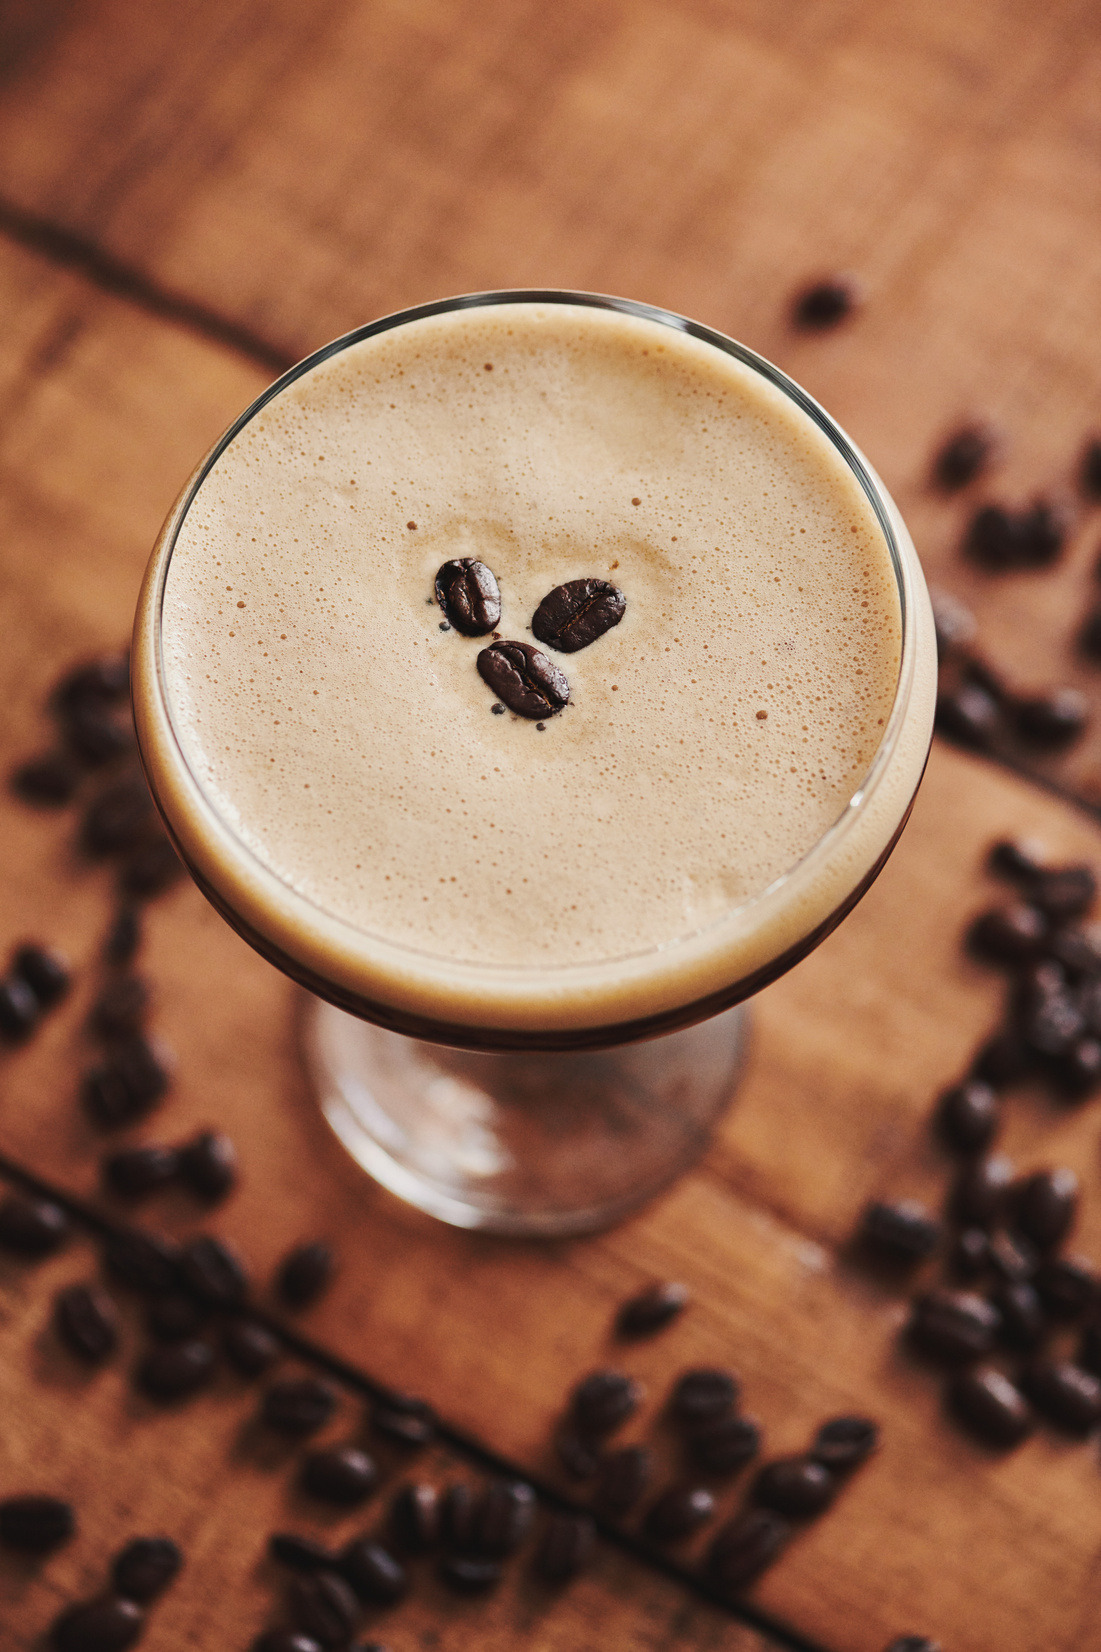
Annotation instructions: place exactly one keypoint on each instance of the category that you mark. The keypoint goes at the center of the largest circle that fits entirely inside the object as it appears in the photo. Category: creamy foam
(710, 739)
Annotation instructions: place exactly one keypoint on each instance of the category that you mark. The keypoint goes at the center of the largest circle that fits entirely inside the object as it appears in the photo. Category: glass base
(537, 1143)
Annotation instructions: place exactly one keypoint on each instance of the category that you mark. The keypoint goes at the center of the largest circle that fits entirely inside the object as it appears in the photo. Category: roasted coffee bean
(124, 937)
(128, 1085)
(1079, 1071)
(964, 455)
(213, 1271)
(994, 539)
(208, 1164)
(301, 1554)
(969, 1115)
(565, 1547)
(104, 680)
(304, 1274)
(703, 1397)
(120, 1009)
(20, 1011)
(1068, 1287)
(1046, 1205)
(405, 1428)
(30, 1226)
(1002, 1060)
(1010, 1256)
(797, 1487)
(1020, 859)
(1010, 935)
(651, 1310)
(470, 1574)
(1089, 642)
(146, 1567)
(284, 1640)
(86, 1322)
(745, 1547)
(624, 1476)
(1043, 532)
(250, 1348)
(298, 1405)
(603, 1401)
(457, 1516)
(913, 1643)
(678, 1513)
(843, 1443)
(572, 616)
(1089, 1351)
(118, 818)
(341, 1474)
(469, 595)
(953, 1325)
(377, 1578)
(970, 1254)
(970, 715)
(46, 972)
(49, 781)
(415, 1517)
(325, 1607)
(503, 1517)
(1090, 468)
(175, 1317)
(578, 1453)
(1078, 952)
(410, 1405)
(953, 622)
(982, 1190)
(903, 1233)
(826, 303)
(144, 1262)
(1023, 1321)
(109, 1624)
(1052, 720)
(725, 1446)
(527, 682)
(991, 1406)
(1053, 1026)
(1065, 892)
(95, 737)
(150, 869)
(176, 1370)
(1065, 1394)
(36, 1524)
(137, 1172)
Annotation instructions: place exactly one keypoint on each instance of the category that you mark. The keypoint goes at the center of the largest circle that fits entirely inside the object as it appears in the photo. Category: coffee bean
(1023, 1321)
(1052, 720)
(527, 682)
(118, 818)
(725, 1446)
(1043, 532)
(1078, 951)
(1089, 642)
(49, 781)
(120, 1009)
(469, 1574)
(704, 1396)
(208, 1164)
(213, 1271)
(137, 1172)
(301, 1554)
(745, 1547)
(285, 1640)
(572, 616)
(1065, 892)
(503, 1517)
(651, 1310)
(982, 1190)
(123, 937)
(843, 1443)
(1065, 1394)
(1053, 1026)
(826, 303)
(404, 1428)
(970, 715)
(146, 1568)
(298, 1405)
(578, 1453)
(1068, 1287)
(1019, 859)
(415, 1517)
(35, 1524)
(797, 1487)
(177, 1370)
(1089, 1351)
(1002, 1060)
(953, 1325)
(20, 1010)
(128, 1085)
(104, 680)
(903, 1233)
(1090, 468)
(1010, 935)
(86, 1322)
(175, 1317)
(46, 972)
(603, 1401)
(324, 1606)
(469, 595)
(304, 1274)
(988, 1404)
(94, 737)
(32, 1227)
(624, 1476)
(341, 1474)
(964, 455)
(144, 1262)
(1046, 1205)
(678, 1513)
(374, 1574)
(913, 1643)
(565, 1547)
(970, 1254)
(250, 1348)
(1080, 1069)
(109, 1624)
(953, 622)
(1010, 1256)
(150, 869)
(457, 1516)
(969, 1115)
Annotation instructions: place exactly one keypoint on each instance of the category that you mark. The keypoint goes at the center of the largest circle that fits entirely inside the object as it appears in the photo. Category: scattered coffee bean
(503, 1517)
(128, 1084)
(102, 681)
(1002, 1060)
(176, 1370)
(285, 1640)
(953, 622)
(1046, 1206)
(565, 1548)
(208, 1164)
(1090, 468)
(703, 1397)
(1078, 951)
(826, 303)
(678, 1513)
(341, 1474)
(1021, 860)
(95, 738)
(304, 1274)
(136, 1172)
(1008, 934)
(150, 869)
(603, 1401)
(982, 1190)
(298, 1405)
(144, 1262)
(213, 1271)
(970, 1254)
(109, 1624)
(1089, 1351)
(46, 972)
(324, 1607)
(527, 682)
(797, 1487)
(1080, 1070)
(1065, 1394)
(146, 1568)
(970, 715)
(377, 1578)
(49, 781)
(118, 818)
(991, 1406)
(624, 1477)
(469, 1574)
(1052, 720)
(1010, 1256)
(953, 1325)
(1023, 1321)
(966, 454)
(301, 1554)
(1065, 892)
(725, 1446)
(968, 1116)
(32, 1227)
(578, 1453)
(469, 595)
(1000, 540)
(1052, 1026)
(20, 1010)
(745, 1547)
(123, 937)
(651, 1310)
(1068, 1287)
(404, 1428)
(86, 1322)
(572, 616)
(903, 1233)
(843, 1443)
(250, 1348)
(457, 1516)
(415, 1517)
(35, 1524)
(1089, 642)
(913, 1643)
(120, 1010)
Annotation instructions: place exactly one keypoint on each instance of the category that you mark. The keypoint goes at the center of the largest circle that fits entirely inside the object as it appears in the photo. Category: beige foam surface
(350, 742)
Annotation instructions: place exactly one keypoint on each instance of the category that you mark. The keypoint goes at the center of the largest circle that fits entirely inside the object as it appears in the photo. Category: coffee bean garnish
(678, 1513)
(703, 1397)
(725, 1446)
(970, 1254)
(1046, 1206)
(969, 1116)
(603, 1401)
(208, 1164)
(1052, 720)
(342, 1475)
(965, 455)
(574, 615)
(913, 1643)
(991, 1406)
(250, 1348)
(304, 1274)
(527, 682)
(405, 1428)
(45, 971)
(150, 869)
(214, 1271)
(20, 1010)
(1068, 1287)
(1065, 1394)
(86, 1322)
(953, 1326)
(826, 303)
(325, 1607)
(982, 1190)
(301, 1554)
(1008, 935)
(503, 1517)
(177, 1370)
(624, 1477)
(146, 1568)
(137, 1172)
(903, 1233)
(469, 595)
(284, 1640)
(843, 1443)
(298, 1405)
(565, 1548)
(796, 1487)
(457, 1516)
(32, 1227)
(651, 1310)
(970, 715)
(123, 937)
(118, 818)
(48, 782)
(1010, 1256)
(175, 1317)
(746, 1547)
(128, 1085)
(36, 1524)
(373, 1572)
(144, 1262)
(110, 1624)
(469, 1574)
(415, 1517)
(1023, 1321)
(121, 1007)
(578, 1453)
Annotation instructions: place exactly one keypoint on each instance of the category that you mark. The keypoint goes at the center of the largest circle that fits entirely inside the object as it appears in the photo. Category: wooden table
(191, 196)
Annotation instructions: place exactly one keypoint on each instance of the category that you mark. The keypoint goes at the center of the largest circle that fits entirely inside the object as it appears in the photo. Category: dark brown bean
(624, 1477)
(146, 1568)
(843, 1443)
(1019, 859)
(121, 1008)
(104, 680)
(796, 1487)
(127, 1085)
(1002, 1060)
(991, 1406)
(342, 1475)
(298, 1405)
(415, 1517)
(470, 1574)
(137, 1172)
(651, 1310)
(995, 539)
(150, 869)
(284, 1640)
(970, 715)
(325, 1607)
(1080, 1069)
(725, 1446)
(1063, 893)
(503, 1517)
(964, 455)
(175, 1317)
(1046, 1205)
(213, 1271)
(969, 1116)
(47, 782)
(301, 1554)
(124, 936)
(1078, 951)
(176, 1370)
(117, 818)
(1010, 935)
(704, 1396)
(208, 1164)
(304, 1274)
(36, 1524)
(1065, 1394)
(45, 971)
(377, 1578)
(86, 1321)
(678, 1513)
(145, 1262)
(953, 1325)
(745, 1547)
(578, 1453)
(574, 615)
(603, 1401)
(250, 1348)
(565, 1548)
(405, 1428)
(1051, 1026)
(109, 1624)
(20, 1011)
(1068, 1287)
(1023, 1321)
(1052, 720)
(903, 1233)
(970, 1254)
(469, 595)
(1010, 1256)
(913, 1643)
(95, 737)
(826, 303)
(1089, 474)
(527, 682)
(982, 1190)
(32, 1227)
(457, 1516)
